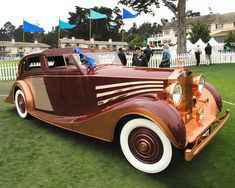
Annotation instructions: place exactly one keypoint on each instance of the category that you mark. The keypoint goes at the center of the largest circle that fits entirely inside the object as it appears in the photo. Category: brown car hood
(131, 72)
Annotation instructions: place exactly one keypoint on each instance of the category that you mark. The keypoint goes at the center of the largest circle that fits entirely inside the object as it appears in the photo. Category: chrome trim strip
(102, 102)
(127, 84)
(158, 88)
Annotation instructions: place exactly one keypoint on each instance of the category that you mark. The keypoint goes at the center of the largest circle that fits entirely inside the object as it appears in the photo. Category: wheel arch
(173, 127)
(23, 86)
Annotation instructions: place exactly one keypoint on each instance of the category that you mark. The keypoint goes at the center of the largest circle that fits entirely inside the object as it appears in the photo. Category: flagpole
(123, 32)
(90, 29)
(23, 29)
(58, 36)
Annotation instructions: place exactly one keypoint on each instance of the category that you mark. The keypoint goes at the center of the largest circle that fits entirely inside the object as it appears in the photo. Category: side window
(55, 61)
(32, 64)
(68, 60)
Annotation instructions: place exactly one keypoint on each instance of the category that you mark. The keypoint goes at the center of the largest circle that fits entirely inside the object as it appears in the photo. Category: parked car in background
(152, 111)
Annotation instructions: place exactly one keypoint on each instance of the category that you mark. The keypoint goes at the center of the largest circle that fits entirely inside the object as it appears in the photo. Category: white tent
(200, 43)
(216, 47)
(213, 42)
(189, 44)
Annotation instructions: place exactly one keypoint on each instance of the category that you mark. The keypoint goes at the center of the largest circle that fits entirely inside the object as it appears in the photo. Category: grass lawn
(8, 62)
(35, 154)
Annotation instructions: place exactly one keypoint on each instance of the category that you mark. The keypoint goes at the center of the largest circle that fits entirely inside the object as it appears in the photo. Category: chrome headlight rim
(176, 93)
(199, 84)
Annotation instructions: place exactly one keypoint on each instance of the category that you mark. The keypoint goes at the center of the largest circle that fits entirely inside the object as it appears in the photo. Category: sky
(46, 13)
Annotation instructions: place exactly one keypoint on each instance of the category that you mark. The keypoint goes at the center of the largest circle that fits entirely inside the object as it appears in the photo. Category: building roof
(23, 44)
(210, 18)
(224, 32)
(88, 42)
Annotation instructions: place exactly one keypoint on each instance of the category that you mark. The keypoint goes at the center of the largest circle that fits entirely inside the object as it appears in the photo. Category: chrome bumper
(189, 154)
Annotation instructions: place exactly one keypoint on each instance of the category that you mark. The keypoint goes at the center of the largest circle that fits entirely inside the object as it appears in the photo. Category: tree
(190, 13)
(18, 33)
(176, 6)
(3, 35)
(164, 21)
(102, 29)
(50, 38)
(199, 30)
(144, 31)
(7, 32)
(229, 39)
(134, 40)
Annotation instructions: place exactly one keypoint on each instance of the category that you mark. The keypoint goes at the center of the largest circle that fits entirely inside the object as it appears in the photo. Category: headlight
(198, 85)
(175, 91)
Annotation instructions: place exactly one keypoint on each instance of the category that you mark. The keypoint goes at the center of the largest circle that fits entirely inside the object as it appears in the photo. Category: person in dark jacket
(122, 56)
(148, 52)
(208, 50)
(139, 58)
(198, 53)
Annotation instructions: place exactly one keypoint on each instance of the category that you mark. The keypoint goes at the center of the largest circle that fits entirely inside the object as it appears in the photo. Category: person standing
(198, 52)
(139, 58)
(148, 52)
(122, 56)
(166, 57)
(208, 50)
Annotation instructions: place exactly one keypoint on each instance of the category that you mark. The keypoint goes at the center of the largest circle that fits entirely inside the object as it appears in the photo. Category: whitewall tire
(20, 104)
(145, 145)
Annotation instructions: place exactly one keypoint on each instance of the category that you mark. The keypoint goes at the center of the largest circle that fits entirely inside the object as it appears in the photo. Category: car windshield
(100, 58)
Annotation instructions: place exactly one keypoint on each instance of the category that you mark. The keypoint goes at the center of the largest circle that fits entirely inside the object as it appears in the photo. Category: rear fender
(23, 86)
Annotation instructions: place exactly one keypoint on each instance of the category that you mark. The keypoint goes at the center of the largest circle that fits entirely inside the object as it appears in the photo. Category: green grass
(8, 62)
(36, 154)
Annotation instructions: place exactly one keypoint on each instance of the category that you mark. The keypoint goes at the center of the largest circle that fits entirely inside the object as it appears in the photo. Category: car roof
(61, 51)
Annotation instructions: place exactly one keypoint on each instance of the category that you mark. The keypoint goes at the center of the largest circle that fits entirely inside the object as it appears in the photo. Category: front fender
(215, 95)
(164, 115)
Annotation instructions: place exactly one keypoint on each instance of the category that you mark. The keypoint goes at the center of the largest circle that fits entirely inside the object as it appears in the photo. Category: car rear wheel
(145, 145)
(20, 103)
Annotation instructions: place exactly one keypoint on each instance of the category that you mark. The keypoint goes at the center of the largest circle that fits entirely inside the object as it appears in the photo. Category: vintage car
(153, 112)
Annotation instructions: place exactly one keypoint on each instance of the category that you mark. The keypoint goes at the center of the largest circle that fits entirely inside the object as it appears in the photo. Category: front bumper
(189, 154)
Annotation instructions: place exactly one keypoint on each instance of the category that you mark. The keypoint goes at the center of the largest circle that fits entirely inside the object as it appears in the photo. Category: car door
(65, 87)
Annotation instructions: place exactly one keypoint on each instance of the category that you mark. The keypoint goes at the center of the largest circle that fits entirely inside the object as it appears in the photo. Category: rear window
(32, 64)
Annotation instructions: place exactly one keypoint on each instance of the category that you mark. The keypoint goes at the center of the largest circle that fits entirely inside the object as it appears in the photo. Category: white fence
(9, 72)
(188, 59)
(9, 58)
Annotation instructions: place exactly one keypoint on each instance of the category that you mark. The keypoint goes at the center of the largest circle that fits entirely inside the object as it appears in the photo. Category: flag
(126, 14)
(96, 15)
(28, 27)
(65, 25)
(90, 60)
(210, 10)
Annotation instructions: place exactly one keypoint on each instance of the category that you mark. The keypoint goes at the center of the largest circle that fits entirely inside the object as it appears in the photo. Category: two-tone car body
(151, 110)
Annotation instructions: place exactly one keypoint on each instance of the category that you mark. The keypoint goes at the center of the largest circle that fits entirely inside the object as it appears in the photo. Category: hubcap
(21, 103)
(145, 145)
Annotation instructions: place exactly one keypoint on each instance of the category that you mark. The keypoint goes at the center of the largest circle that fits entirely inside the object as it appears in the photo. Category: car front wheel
(145, 145)
(20, 103)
